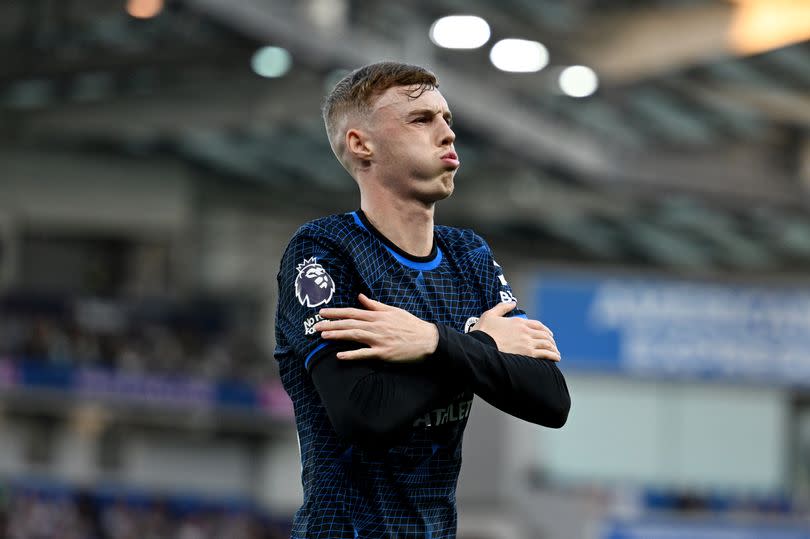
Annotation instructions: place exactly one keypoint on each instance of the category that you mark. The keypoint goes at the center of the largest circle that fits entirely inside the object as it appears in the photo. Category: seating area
(36, 510)
(197, 339)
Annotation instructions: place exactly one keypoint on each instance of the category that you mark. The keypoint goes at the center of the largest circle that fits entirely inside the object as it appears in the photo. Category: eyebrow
(448, 116)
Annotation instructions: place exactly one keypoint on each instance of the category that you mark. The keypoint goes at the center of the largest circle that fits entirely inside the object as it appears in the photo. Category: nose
(448, 136)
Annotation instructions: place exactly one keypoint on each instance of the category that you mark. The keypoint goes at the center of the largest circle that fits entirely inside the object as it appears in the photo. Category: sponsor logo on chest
(453, 413)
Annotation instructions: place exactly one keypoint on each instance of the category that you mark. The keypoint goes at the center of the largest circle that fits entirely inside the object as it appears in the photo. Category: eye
(422, 120)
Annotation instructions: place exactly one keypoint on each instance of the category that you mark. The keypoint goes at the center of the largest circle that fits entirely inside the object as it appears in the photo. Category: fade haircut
(356, 92)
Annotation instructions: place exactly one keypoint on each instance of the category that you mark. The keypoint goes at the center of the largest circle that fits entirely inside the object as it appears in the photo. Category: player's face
(413, 143)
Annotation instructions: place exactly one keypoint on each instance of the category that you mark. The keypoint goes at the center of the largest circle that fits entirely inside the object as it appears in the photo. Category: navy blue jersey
(353, 491)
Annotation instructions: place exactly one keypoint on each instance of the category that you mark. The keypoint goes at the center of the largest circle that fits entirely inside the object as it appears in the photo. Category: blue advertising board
(671, 328)
(101, 384)
(701, 530)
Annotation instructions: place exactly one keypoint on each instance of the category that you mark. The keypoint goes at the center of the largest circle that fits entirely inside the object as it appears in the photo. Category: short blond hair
(355, 94)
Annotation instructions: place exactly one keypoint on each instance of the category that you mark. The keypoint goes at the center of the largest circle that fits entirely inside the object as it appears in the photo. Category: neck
(407, 223)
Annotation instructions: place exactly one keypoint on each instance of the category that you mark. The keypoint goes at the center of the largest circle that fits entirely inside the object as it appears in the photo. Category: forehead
(398, 99)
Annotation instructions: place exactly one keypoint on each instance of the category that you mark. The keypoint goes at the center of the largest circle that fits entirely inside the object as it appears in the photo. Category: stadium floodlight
(761, 25)
(519, 55)
(144, 9)
(271, 62)
(460, 32)
(578, 81)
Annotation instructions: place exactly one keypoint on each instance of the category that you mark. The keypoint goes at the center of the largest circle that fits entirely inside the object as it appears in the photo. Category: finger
(546, 354)
(360, 353)
(372, 304)
(537, 324)
(501, 309)
(346, 323)
(356, 335)
(534, 333)
(346, 312)
(545, 344)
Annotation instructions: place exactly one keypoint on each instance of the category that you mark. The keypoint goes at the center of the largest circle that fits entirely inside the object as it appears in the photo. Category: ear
(358, 145)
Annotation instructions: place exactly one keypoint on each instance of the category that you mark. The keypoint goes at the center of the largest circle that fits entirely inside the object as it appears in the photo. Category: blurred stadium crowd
(154, 339)
(58, 513)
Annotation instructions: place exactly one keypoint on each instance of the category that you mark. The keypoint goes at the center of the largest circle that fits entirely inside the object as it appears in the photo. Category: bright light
(763, 25)
(578, 81)
(460, 32)
(144, 9)
(271, 62)
(519, 55)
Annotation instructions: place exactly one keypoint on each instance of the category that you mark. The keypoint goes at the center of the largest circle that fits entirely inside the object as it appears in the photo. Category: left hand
(392, 334)
(516, 335)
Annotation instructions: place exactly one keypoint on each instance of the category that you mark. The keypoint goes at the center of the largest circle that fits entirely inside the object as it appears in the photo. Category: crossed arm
(388, 367)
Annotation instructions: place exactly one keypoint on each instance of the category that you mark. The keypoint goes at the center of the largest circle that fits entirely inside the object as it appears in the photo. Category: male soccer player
(388, 324)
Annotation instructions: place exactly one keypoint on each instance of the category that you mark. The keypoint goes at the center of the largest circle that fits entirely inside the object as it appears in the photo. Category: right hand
(515, 335)
(391, 334)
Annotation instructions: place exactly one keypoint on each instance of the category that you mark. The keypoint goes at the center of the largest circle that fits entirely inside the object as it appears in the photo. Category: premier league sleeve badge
(313, 285)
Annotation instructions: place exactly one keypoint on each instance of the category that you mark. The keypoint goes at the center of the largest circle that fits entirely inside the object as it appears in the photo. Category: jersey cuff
(484, 337)
(314, 355)
(326, 348)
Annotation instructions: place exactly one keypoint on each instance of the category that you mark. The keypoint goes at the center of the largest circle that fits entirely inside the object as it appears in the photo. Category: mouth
(451, 158)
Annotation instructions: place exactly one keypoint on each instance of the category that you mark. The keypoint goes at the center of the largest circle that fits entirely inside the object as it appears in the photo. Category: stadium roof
(692, 155)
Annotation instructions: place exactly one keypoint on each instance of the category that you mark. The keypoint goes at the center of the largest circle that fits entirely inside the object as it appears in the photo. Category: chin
(450, 188)
(449, 184)
(436, 189)
(435, 195)
(445, 192)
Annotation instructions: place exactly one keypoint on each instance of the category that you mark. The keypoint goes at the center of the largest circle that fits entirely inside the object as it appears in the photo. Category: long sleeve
(374, 402)
(522, 386)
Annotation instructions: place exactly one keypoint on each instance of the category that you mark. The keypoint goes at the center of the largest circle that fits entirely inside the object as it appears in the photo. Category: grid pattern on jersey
(407, 490)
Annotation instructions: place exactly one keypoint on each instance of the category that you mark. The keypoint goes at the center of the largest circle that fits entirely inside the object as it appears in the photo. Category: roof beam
(639, 44)
(487, 107)
(780, 104)
(208, 104)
